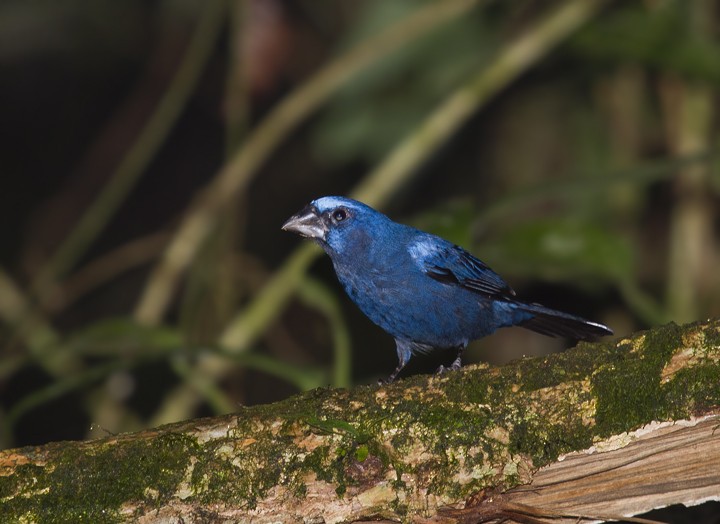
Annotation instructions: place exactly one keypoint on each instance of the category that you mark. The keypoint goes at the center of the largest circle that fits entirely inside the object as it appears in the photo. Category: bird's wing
(453, 265)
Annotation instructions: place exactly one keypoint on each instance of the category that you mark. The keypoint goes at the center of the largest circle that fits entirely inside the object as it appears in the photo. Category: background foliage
(152, 149)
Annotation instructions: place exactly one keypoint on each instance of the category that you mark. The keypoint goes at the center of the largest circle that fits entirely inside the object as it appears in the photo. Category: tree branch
(605, 429)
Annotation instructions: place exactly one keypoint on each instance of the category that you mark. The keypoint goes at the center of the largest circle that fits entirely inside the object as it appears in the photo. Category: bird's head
(337, 223)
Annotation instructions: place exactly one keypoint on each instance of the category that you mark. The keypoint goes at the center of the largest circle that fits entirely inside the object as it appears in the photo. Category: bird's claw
(457, 364)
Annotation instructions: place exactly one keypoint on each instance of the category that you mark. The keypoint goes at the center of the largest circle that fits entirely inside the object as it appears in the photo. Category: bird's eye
(339, 215)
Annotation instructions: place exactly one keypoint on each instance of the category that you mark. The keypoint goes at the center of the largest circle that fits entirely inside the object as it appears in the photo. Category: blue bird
(423, 290)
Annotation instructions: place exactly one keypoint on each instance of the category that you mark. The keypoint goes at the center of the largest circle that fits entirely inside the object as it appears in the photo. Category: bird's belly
(432, 314)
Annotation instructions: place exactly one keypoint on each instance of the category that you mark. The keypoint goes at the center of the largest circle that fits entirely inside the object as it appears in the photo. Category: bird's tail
(558, 324)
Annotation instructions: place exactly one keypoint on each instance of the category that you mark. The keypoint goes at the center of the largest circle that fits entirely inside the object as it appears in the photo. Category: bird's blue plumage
(423, 290)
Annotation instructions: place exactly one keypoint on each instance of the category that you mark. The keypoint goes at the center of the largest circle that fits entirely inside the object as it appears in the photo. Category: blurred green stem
(642, 304)
(649, 310)
(236, 174)
(133, 165)
(691, 238)
(61, 386)
(36, 333)
(693, 251)
(14, 306)
(34, 330)
(207, 388)
(302, 378)
(316, 295)
(236, 89)
(568, 189)
(254, 319)
(199, 383)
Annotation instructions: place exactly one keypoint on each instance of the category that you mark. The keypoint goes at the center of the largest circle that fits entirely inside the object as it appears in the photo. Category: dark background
(589, 181)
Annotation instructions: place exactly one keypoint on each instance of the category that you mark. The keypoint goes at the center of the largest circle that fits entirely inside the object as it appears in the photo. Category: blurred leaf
(391, 97)
(451, 220)
(549, 248)
(315, 294)
(561, 250)
(11, 364)
(659, 37)
(124, 336)
(54, 390)
(303, 377)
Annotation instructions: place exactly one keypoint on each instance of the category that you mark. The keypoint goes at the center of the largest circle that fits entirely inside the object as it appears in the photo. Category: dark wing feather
(451, 264)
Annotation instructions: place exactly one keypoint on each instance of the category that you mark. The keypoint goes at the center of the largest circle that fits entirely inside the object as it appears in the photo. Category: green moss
(361, 453)
(23, 480)
(545, 442)
(244, 475)
(228, 470)
(627, 387)
(693, 391)
(470, 386)
(532, 374)
(454, 490)
(90, 485)
(712, 340)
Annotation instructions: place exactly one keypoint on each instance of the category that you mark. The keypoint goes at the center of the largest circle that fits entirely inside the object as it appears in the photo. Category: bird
(426, 292)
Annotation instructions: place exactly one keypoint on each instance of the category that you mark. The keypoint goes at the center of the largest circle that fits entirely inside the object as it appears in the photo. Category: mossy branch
(431, 447)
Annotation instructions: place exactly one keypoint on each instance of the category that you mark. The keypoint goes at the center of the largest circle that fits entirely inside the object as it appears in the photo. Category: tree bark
(602, 430)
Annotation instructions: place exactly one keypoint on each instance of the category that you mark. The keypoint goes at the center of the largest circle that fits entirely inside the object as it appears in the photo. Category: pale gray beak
(307, 223)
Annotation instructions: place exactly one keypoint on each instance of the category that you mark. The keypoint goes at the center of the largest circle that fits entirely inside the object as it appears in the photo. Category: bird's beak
(307, 223)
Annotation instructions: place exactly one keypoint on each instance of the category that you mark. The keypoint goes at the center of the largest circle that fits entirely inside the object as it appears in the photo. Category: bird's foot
(386, 381)
(457, 364)
(391, 378)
